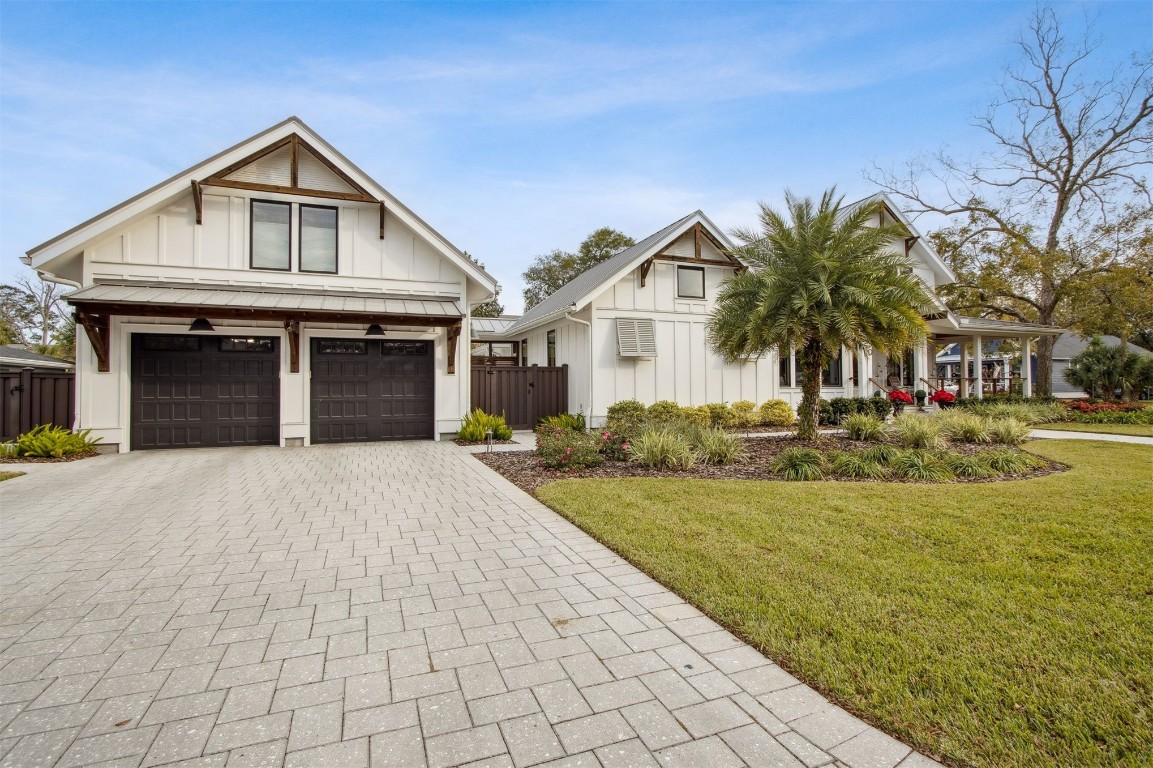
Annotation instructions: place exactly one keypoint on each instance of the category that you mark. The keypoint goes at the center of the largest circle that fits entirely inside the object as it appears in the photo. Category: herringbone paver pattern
(383, 605)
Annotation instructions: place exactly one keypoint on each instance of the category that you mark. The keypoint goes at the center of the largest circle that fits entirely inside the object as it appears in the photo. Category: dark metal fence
(525, 394)
(29, 398)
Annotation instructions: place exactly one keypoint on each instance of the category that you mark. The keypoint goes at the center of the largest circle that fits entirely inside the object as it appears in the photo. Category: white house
(271, 294)
(633, 327)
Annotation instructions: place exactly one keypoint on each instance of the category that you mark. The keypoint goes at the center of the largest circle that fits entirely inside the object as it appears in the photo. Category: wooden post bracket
(453, 334)
(293, 328)
(198, 201)
(96, 327)
(382, 219)
(648, 265)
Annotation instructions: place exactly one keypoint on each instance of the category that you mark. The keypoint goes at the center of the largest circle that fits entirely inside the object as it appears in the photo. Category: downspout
(589, 326)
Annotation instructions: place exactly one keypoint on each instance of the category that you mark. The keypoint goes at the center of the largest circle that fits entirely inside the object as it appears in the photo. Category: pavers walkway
(383, 605)
(1060, 434)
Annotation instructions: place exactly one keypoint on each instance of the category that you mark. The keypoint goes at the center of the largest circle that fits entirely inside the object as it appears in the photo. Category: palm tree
(821, 279)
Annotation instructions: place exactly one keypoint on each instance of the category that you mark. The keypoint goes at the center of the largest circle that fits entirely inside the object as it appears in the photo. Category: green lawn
(9, 475)
(1141, 430)
(992, 624)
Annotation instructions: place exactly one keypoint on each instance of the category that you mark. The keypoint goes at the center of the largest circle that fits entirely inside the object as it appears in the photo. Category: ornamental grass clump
(573, 421)
(860, 426)
(663, 448)
(1009, 462)
(475, 426)
(965, 427)
(973, 467)
(1010, 431)
(800, 464)
(920, 432)
(715, 446)
(922, 465)
(857, 466)
(884, 453)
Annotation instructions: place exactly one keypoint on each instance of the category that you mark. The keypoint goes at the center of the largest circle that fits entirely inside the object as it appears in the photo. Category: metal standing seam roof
(574, 290)
(18, 355)
(491, 326)
(198, 296)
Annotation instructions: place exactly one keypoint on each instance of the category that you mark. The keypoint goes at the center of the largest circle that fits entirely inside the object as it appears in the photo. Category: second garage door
(369, 389)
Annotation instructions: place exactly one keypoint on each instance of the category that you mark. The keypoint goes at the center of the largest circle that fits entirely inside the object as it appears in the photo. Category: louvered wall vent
(636, 338)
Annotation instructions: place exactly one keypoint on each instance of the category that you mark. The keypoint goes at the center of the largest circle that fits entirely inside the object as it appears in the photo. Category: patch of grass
(984, 623)
(9, 475)
(1140, 430)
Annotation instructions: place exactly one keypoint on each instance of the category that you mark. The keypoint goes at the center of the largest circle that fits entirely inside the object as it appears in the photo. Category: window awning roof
(243, 300)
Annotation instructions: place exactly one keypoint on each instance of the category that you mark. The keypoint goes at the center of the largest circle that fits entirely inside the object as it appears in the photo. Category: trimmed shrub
(965, 427)
(573, 421)
(1008, 462)
(614, 446)
(474, 427)
(922, 465)
(915, 432)
(565, 449)
(969, 466)
(856, 465)
(697, 415)
(715, 446)
(1010, 431)
(744, 413)
(664, 411)
(720, 414)
(662, 448)
(883, 454)
(800, 464)
(627, 417)
(49, 441)
(861, 426)
(776, 413)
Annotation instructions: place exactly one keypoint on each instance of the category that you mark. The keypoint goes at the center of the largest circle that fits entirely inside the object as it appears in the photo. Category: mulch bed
(47, 459)
(523, 469)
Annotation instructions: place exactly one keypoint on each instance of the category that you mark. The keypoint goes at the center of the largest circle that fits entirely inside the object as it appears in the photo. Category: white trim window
(690, 282)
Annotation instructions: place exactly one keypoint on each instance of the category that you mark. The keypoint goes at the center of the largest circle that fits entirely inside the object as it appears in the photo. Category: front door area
(371, 389)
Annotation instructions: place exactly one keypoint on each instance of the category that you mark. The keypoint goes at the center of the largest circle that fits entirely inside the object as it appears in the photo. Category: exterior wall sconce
(201, 325)
(374, 330)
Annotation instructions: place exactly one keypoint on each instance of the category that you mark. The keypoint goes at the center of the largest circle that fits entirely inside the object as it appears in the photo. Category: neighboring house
(1068, 346)
(272, 294)
(633, 327)
(15, 358)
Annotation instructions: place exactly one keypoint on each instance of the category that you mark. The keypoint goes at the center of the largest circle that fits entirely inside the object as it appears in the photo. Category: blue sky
(512, 128)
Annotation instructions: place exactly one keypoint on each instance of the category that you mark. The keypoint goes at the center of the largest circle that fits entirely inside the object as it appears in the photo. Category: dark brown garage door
(202, 391)
(368, 389)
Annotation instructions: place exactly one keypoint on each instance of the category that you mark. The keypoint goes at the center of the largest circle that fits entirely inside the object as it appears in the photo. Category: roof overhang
(959, 328)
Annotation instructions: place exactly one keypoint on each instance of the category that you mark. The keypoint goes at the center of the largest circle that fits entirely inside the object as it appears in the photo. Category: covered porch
(974, 374)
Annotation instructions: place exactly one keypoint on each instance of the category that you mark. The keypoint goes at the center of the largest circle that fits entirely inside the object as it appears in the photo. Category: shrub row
(835, 411)
(931, 432)
(674, 445)
(630, 417)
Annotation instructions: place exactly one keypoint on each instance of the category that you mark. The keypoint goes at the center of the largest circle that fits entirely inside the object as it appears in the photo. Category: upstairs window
(317, 239)
(271, 235)
(691, 282)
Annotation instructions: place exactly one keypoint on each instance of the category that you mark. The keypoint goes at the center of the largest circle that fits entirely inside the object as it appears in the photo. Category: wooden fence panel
(525, 394)
(29, 398)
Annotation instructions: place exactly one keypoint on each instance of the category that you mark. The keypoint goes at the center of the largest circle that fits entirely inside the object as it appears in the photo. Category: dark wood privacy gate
(525, 394)
(30, 398)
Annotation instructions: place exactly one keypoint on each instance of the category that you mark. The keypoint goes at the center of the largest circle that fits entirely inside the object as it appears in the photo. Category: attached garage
(372, 389)
(193, 391)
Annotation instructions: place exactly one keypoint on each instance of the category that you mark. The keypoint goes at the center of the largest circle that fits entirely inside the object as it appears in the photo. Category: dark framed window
(409, 348)
(342, 347)
(244, 344)
(524, 351)
(157, 343)
(785, 377)
(833, 374)
(480, 349)
(691, 282)
(271, 235)
(317, 238)
(551, 341)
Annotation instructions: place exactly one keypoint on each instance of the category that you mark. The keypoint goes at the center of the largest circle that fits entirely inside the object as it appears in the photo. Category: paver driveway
(384, 604)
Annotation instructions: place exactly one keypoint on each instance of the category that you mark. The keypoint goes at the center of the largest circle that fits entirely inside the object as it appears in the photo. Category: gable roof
(69, 242)
(935, 261)
(583, 288)
(1070, 344)
(14, 355)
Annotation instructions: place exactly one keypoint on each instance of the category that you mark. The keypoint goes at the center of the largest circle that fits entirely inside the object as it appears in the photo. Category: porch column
(920, 367)
(977, 367)
(963, 384)
(1027, 367)
(863, 373)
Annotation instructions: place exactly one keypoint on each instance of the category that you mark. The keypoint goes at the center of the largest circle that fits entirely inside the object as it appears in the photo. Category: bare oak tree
(1068, 167)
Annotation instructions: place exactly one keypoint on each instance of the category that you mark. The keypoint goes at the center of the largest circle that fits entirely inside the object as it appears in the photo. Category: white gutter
(48, 277)
(589, 326)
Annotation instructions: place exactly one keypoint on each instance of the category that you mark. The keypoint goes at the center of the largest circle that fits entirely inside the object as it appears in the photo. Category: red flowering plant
(613, 446)
(942, 396)
(900, 396)
(566, 449)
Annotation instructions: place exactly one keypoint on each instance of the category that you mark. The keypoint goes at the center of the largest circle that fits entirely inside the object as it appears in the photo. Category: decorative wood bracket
(381, 219)
(292, 326)
(648, 265)
(198, 201)
(96, 326)
(453, 335)
(697, 240)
